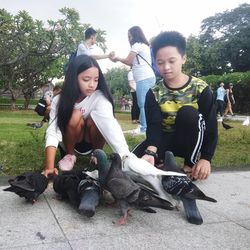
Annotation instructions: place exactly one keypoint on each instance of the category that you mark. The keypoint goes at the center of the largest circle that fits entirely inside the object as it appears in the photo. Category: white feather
(140, 166)
(246, 122)
(151, 174)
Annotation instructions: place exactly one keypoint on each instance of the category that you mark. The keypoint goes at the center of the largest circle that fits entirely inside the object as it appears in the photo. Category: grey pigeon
(143, 172)
(112, 178)
(35, 125)
(124, 189)
(28, 185)
(183, 188)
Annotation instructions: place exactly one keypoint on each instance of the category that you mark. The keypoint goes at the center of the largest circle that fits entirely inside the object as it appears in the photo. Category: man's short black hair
(169, 38)
(89, 32)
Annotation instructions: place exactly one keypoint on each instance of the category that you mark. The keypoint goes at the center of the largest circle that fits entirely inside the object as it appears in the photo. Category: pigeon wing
(121, 188)
(196, 193)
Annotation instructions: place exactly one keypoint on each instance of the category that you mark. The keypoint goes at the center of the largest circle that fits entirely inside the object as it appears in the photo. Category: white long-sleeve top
(100, 110)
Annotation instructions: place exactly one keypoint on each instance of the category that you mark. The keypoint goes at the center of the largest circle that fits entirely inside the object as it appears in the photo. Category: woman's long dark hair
(137, 35)
(71, 92)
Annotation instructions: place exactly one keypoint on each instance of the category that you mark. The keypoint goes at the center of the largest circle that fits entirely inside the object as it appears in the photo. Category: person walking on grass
(230, 101)
(220, 99)
(135, 111)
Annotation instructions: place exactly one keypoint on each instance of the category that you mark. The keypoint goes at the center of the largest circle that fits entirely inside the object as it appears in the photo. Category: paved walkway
(54, 224)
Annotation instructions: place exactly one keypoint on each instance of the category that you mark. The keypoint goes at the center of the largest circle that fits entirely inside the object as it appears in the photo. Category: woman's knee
(76, 119)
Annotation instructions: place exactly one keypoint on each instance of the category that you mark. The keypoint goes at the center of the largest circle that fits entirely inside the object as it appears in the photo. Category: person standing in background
(142, 71)
(230, 101)
(135, 111)
(220, 99)
(90, 40)
(48, 97)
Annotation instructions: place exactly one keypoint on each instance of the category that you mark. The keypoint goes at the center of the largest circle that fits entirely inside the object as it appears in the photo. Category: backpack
(152, 65)
(71, 58)
(41, 107)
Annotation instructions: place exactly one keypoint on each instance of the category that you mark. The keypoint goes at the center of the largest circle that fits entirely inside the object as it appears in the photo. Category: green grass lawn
(22, 147)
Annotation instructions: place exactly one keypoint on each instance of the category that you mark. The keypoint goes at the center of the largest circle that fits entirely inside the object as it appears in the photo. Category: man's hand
(111, 55)
(114, 59)
(201, 169)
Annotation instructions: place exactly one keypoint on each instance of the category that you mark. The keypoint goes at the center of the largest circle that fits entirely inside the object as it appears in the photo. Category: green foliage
(223, 45)
(32, 54)
(241, 88)
(117, 79)
(193, 66)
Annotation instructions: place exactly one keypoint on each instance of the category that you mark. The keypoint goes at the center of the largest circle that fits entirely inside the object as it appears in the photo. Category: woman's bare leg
(74, 131)
(93, 135)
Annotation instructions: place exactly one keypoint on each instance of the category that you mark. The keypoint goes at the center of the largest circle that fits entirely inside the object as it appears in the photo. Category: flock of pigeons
(131, 181)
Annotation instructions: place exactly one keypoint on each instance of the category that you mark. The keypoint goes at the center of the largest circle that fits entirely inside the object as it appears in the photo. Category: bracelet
(149, 152)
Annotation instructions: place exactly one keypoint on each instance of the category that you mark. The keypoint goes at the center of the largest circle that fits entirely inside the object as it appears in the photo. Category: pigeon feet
(122, 220)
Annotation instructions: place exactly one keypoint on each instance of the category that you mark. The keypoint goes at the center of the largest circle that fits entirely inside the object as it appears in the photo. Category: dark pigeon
(79, 189)
(89, 193)
(183, 188)
(112, 178)
(226, 126)
(66, 185)
(28, 185)
(124, 189)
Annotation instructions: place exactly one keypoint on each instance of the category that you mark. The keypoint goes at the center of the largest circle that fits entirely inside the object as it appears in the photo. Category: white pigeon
(246, 122)
(138, 165)
(140, 168)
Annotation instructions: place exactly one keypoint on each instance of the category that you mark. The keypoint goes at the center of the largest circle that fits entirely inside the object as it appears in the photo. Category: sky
(117, 16)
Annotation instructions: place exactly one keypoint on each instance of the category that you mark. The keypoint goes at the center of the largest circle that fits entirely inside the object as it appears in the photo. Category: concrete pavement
(54, 224)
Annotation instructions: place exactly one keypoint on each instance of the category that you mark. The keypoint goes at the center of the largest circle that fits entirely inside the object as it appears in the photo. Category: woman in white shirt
(82, 116)
(139, 58)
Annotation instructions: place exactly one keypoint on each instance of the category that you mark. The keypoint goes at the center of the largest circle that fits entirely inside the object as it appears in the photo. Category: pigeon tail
(198, 194)
(192, 213)
(88, 202)
(28, 185)
(146, 199)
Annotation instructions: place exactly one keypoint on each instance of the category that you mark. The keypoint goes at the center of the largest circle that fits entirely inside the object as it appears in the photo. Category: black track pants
(187, 139)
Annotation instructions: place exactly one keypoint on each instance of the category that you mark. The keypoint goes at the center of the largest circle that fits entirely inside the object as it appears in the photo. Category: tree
(34, 53)
(117, 79)
(225, 40)
(193, 66)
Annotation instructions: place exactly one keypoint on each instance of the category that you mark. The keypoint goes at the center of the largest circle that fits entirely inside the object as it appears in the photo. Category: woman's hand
(50, 172)
(114, 59)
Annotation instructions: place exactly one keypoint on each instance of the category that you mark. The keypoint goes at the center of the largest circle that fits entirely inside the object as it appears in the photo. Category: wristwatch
(149, 152)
